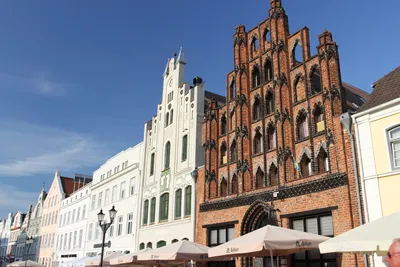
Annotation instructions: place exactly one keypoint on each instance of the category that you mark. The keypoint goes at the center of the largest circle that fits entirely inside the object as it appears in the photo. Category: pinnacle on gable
(181, 57)
(166, 71)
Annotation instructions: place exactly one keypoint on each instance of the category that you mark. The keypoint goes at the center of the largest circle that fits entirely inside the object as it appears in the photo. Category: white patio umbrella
(95, 261)
(80, 261)
(268, 241)
(27, 263)
(375, 236)
(128, 259)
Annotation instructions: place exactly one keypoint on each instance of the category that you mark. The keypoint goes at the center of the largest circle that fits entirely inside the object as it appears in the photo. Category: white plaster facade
(167, 180)
(21, 251)
(5, 236)
(15, 231)
(116, 182)
(71, 230)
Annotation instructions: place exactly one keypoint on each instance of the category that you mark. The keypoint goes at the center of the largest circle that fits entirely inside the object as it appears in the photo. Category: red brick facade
(278, 146)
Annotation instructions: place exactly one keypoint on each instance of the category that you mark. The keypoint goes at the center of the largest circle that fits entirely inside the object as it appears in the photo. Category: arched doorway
(258, 215)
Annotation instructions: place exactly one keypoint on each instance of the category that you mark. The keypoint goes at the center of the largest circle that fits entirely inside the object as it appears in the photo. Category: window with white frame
(96, 231)
(394, 146)
(61, 221)
(119, 228)
(107, 197)
(78, 214)
(75, 238)
(111, 231)
(115, 193)
(80, 238)
(70, 240)
(93, 202)
(100, 200)
(132, 186)
(84, 212)
(130, 222)
(122, 190)
(90, 231)
(69, 217)
(73, 216)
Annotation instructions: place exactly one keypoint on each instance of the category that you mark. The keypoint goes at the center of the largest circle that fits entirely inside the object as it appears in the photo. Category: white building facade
(116, 183)
(71, 230)
(173, 150)
(5, 236)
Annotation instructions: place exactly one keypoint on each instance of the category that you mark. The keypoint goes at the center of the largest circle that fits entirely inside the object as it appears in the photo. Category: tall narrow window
(111, 231)
(78, 214)
(152, 158)
(232, 89)
(302, 126)
(257, 143)
(271, 140)
(273, 175)
(145, 211)
(394, 145)
(90, 232)
(270, 103)
(268, 72)
(319, 123)
(153, 210)
(164, 205)
(75, 239)
(80, 238)
(184, 147)
(129, 224)
(234, 185)
(224, 188)
(84, 212)
(296, 91)
(224, 157)
(122, 190)
(305, 166)
(255, 75)
(267, 36)
(259, 178)
(315, 78)
(99, 202)
(167, 155)
(92, 206)
(119, 227)
(172, 116)
(223, 125)
(96, 231)
(166, 119)
(233, 151)
(254, 46)
(188, 200)
(256, 109)
(115, 193)
(297, 54)
(132, 187)
(178, 203)
(322, 159)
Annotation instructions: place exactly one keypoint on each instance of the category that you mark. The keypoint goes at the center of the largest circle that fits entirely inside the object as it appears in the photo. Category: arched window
(270, 103)
(141, 246)
(223, 125)
(171, 116)
(268, 72)
(232, 89)
(257, 143)
(184, 147)
(185, 239)
(271, 140)
(224, 188)
(257, 109)
(224, 156)
(296, 89)
(149, 245)
(259, 178)
(273, 175)
(174, 241)
(267, 36)
(305, 166)
(164, 205)
(319, 124)
(255, 75)
(145, 212)
(153, 210)
(161, 243)
(302, 126)
(315, 78)
(234, 185)
(231, 121)
(233, 151)
(188, 200)
(167, 155)
(178, 203)
(167, 119)
(297, 54)
(394, 146)
(322, 159)
(254, 46)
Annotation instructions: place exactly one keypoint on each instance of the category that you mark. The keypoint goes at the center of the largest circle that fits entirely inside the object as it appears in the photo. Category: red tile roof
(68, 185)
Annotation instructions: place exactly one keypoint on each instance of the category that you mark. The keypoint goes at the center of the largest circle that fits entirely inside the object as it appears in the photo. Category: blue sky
(79, 78)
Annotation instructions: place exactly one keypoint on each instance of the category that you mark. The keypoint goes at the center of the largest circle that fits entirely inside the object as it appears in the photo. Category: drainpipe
(194, 175)
(346, 121)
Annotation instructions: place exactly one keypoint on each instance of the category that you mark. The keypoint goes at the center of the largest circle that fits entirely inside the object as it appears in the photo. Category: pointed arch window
(257, 109)
(296, 89)
(255, 77)
(188, 200)
(254, 46)
(319, 123)
(302, 126)
(145, 211)
(167, 119)
(267, 35)
(273, 175)
(167, 155)
(153, 210)
(234, 184)
(232, 89)
(149, 245)
(271, 137)
(270, 103)
(305, 166)
(257, 143)
(164, 206)
(184, 147)
(224, 156)
(315, 78)
(178, 203)
(268, 72)
(259, 178)
(171, 116)
(223, 125)
(297, 54)
(233, 151)
(231, 121)
(223, 188)
(322, 160)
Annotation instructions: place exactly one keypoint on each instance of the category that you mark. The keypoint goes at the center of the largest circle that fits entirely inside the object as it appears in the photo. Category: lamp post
(104, 227)
(28, 243)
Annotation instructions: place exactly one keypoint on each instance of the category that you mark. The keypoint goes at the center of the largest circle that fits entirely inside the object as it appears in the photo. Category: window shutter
(326, 225)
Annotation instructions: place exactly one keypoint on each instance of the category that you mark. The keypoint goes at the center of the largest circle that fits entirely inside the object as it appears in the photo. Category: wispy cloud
(29, 149)
(38, 83)
(14, 199)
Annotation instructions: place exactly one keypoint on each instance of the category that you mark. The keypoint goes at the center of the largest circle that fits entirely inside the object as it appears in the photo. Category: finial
(181, 57)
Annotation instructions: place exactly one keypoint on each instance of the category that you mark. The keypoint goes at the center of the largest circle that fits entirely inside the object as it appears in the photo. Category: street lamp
(28, 243)
(104, 227)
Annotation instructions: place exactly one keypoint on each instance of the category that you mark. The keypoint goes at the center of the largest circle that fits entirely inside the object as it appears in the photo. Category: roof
(385, 89)
(355, 97)
(211, 95)
(68, 185)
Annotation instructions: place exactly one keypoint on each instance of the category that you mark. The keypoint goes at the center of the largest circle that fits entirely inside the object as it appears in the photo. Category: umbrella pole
(272, 258)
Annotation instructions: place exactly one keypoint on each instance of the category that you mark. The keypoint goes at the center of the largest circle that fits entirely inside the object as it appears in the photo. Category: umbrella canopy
(268, 241)
(28, 263)
(95, 261)
(127, 259)
(177, 252)
(80, 261)
(375, 236)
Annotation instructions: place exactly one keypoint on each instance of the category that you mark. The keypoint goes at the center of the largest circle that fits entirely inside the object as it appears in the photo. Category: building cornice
(386, 105)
